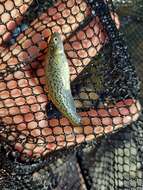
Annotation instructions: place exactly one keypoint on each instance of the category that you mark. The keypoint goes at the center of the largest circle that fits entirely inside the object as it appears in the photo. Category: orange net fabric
(25, 124)
(11, 13)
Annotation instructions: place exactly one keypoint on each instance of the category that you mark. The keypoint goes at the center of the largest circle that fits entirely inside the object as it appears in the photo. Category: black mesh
(104, 85)
(103, 105)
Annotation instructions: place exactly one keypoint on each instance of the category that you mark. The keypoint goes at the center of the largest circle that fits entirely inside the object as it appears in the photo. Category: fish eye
(55, 39)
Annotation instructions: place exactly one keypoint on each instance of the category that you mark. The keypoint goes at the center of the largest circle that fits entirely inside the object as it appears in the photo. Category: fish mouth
(56, 35)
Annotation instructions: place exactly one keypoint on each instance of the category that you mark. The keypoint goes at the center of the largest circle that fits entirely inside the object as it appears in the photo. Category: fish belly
(59, 91)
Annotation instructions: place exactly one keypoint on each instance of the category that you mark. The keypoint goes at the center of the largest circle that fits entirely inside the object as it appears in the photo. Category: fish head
(56, 43)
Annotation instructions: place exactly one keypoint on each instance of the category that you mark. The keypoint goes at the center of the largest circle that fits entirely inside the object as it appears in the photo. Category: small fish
(58, 80)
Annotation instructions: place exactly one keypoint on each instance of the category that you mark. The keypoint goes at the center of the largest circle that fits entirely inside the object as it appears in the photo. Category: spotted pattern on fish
(58, 80)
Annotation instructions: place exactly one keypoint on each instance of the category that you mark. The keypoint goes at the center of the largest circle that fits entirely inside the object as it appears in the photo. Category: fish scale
(58, 80)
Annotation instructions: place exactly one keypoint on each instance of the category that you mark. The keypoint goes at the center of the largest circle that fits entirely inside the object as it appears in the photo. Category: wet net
(104, 86)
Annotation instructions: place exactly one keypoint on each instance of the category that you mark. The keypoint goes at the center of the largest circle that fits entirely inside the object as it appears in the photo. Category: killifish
(58, 80)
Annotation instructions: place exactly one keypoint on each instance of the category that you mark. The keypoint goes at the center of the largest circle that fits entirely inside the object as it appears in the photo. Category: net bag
(103, 80)
(116, 162)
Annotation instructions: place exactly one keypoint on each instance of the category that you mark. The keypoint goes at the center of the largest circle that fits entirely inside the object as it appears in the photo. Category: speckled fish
(58, 80)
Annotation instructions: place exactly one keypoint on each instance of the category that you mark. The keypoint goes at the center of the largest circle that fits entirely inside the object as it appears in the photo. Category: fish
(58, 80)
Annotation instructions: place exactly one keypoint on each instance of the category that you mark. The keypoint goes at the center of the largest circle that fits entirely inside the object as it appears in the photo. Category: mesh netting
(104, 86)
(116, 162)
(27, 122)
(103, 81)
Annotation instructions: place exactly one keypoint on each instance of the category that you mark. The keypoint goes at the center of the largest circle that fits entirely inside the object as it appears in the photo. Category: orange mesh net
(23, 100)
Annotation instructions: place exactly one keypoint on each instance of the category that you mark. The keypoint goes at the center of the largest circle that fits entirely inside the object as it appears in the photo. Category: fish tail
(74, 119)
